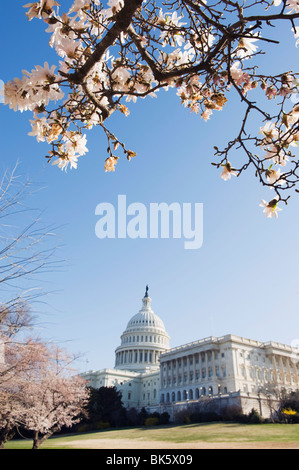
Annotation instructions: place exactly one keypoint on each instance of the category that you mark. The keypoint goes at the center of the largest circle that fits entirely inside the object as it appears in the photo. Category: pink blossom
(228, 172)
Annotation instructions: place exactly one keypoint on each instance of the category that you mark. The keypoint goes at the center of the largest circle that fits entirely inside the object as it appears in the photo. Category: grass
(274, 434)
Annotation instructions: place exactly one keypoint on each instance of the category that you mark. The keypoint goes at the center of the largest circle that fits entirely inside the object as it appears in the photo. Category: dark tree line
(105, 409)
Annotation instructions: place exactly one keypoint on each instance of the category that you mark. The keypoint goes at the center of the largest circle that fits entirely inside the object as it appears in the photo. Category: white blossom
(270, 208)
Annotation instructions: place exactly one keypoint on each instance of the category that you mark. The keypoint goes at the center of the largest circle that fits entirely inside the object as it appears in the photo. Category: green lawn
(198, 434)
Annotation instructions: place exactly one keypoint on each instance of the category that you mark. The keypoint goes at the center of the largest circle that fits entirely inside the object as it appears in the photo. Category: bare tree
(27, 251)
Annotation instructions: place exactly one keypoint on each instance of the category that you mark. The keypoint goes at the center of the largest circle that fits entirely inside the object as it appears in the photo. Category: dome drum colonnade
(143, 340)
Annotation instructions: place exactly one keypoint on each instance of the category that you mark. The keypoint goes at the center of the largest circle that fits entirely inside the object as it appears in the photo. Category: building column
(289, 369)
(295, 372)
(281, 368)
(207, 365)
(161, 376)
(188, 371)
(275, 368)
(200, 367)
(214, 365)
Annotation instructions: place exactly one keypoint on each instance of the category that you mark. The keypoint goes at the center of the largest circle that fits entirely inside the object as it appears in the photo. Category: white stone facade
(229, 369)
(214, 366)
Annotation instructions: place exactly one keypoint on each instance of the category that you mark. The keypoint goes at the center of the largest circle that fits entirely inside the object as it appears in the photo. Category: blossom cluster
(114, 54)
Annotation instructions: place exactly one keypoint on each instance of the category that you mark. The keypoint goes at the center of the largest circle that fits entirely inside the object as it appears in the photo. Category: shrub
(232, 413)
(82, 428)
(254, 417)
(102, 425)
(182, 417)
(142, 416)
(290, 416)
(164, 418)
(204, 417)
(152, 421)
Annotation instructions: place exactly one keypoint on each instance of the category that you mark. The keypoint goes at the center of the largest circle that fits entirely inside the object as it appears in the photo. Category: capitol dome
(143, 340)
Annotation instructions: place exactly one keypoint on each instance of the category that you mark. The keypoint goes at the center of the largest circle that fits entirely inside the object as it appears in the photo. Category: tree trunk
(37, 442)
(5, 435)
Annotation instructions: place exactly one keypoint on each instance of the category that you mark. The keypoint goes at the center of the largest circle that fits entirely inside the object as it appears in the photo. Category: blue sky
(243, 280)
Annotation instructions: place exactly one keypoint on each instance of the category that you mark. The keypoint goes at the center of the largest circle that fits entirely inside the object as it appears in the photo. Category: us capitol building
(223, 371)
